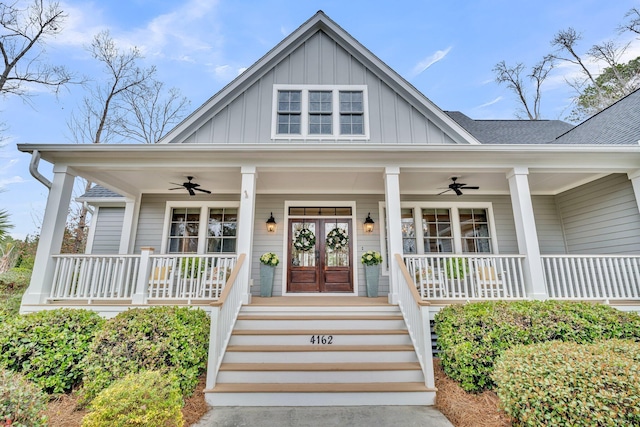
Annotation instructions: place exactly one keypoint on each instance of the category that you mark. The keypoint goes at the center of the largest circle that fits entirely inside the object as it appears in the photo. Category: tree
(24, 32)
(5, 225)
(129, 104)
(512, 77)
(633, 24)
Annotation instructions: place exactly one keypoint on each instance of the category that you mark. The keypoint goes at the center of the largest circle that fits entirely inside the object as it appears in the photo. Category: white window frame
(335, 112)
(204, 218)
(454, 208)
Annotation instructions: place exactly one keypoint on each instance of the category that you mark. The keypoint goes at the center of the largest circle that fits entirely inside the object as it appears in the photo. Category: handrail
(230, 281)
(407, 276)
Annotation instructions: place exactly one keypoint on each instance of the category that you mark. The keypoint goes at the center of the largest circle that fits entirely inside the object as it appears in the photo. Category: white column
(526, 232)
(141, 293)
(245, 222)
(394, 227)
(51, 234)
(635, 182)
(131, 210)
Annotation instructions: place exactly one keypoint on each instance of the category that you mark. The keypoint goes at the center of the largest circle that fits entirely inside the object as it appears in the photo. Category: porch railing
(189, 277)
(90, 277)
(457, 276)
(598, 277)
(224, 313)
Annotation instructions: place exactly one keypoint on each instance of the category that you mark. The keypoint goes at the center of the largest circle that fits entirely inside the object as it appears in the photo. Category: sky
(446, 49)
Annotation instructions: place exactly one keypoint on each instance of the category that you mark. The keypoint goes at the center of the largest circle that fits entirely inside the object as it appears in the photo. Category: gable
(323, 56)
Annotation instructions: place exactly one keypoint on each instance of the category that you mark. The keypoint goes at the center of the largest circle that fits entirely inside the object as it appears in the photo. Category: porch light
(271, 224)
(368, 224)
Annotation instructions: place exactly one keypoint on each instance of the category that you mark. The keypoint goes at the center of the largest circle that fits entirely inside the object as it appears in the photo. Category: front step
(276, 357)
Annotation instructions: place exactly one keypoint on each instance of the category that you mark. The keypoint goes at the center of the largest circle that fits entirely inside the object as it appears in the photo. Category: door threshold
(322, 300)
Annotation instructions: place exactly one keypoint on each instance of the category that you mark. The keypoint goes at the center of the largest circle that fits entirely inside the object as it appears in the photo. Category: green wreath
(304, 240)
(337, 239)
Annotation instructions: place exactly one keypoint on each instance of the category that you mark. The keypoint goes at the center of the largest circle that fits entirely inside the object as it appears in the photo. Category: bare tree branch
(24, 32)
(633, 24)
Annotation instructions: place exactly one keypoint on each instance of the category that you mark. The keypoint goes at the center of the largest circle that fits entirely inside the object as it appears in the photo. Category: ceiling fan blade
(448, 189)
(191, 192)
(204, 191)
(458, 192)
(178, 188)
(471, 188)
(175, 183)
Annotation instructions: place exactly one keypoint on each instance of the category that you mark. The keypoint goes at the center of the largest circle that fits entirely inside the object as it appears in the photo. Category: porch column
(394, 229)
(634, 177)
(51, 234)
(526, 232)
(131, 211)
(245, 220)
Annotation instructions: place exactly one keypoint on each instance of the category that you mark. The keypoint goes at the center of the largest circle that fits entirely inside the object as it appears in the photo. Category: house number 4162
(321, 339)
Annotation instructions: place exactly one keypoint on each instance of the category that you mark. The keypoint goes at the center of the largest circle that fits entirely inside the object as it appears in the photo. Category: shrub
(48, 346)
(12, 285)
(472, 336)
(16, 278)
(157, 338)
(22, 403)
(147, 398)
(568, 384)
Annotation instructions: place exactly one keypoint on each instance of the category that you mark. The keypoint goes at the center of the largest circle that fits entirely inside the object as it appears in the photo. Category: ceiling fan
(189, 186)
(456, 186)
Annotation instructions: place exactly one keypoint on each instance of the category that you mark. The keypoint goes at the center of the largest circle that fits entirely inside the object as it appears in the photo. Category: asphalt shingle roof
(618, 124)
(511, 131)
(99, 192)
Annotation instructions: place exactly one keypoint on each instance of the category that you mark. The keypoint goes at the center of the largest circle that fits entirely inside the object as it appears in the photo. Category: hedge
(49, 346)
(472, 336)
(22, 403)
(174, 339)
(569, 384)
(145, 399)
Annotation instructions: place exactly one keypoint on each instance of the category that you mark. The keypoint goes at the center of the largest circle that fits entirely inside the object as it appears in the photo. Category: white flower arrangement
(270, 259)
(371, 258)
(304, 240)
(337, 239)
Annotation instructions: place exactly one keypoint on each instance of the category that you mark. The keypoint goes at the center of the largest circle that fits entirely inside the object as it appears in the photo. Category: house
(320, 135)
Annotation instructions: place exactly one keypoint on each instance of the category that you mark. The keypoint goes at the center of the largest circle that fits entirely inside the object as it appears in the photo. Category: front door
(320, 255)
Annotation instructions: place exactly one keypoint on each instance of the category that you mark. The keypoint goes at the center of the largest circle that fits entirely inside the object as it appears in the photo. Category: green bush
(144, 399)
(16, 278)
(22, 403)
(157, 338)
(48, 346)
(569, 384)
(472, 336)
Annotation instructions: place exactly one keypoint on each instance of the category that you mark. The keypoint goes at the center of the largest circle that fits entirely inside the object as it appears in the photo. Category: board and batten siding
(108, 230)
(601, 217)
(277, 242)
(247, 118)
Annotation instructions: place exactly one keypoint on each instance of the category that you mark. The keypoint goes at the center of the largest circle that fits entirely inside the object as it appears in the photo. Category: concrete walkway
(351, 416)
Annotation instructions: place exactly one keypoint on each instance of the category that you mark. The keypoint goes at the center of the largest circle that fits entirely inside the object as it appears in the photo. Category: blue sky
(446, 49)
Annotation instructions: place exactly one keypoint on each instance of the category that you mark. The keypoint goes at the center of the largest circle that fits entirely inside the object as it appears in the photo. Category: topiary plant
(174, 339)
(569, 384)
(145, 399)
(48, 346)
(22, 403)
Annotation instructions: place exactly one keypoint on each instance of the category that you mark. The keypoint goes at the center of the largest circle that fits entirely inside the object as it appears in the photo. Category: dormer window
(320, 112)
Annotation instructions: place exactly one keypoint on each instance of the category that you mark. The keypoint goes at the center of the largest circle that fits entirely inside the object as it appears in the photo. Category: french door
(315, 264)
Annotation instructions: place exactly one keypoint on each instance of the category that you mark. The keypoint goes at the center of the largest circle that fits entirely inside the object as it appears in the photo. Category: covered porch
(557, 224)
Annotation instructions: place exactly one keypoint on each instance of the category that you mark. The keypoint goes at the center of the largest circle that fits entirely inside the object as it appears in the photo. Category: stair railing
(224, 313)
(416, 315)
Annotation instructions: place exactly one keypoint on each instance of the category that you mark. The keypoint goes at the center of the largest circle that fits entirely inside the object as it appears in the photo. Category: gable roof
(618, 124)
(511, 131)
(320, 22)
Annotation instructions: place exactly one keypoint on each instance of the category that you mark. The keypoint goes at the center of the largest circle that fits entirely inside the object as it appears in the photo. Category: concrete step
(246, 322)
(319, 354)
(335, 337)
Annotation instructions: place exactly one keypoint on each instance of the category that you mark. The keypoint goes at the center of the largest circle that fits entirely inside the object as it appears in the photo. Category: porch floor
(318, 301)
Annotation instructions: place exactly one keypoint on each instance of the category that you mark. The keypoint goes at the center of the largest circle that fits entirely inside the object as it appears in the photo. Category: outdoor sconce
(368, 224)
(271, 224)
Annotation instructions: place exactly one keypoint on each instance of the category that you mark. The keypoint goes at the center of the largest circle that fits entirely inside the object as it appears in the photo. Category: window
(289, 111)
(351, 113)
(194, 228)
(444, 228)
(320, 112)
(320, 117)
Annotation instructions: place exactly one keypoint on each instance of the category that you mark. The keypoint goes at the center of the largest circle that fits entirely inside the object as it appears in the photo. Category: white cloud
(486, 104)
(12, 180)
(427, 62)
